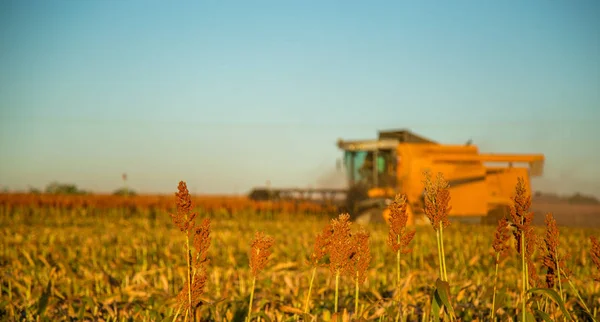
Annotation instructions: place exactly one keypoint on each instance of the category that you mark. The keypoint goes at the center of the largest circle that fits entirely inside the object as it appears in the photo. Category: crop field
(109, 262)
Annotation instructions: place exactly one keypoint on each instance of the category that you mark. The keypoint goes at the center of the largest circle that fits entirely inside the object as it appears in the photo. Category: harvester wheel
(371, 215)
(355, 195)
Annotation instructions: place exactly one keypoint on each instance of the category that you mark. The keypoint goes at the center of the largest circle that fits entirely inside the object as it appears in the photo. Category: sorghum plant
(199, 237)
(259, 257)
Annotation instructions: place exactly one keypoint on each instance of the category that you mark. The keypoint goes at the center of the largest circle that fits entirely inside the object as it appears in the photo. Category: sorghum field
(63, 260)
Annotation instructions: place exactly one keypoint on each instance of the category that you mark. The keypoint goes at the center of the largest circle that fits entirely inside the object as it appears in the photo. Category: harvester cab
(371, 168)
(480, 184)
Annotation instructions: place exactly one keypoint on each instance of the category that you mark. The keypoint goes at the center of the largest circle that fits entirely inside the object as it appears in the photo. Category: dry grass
(59, 264)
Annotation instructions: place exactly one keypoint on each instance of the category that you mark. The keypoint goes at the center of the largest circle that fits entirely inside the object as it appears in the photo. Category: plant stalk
(312, 278)
(398, 268)
(189, 273)
(559, 276)
(337, 283)
(437, 235)
(176, 314)
(524, 274)
(495, 287)
(251, 298)
(398, 281)
(443, 254)
(356, 296)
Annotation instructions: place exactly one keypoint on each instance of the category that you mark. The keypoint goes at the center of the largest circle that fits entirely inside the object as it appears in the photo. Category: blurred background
(227, 96)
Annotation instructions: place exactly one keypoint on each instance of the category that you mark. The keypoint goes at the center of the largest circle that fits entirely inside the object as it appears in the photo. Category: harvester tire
(371, 215)
(355, 195)
(494, 215)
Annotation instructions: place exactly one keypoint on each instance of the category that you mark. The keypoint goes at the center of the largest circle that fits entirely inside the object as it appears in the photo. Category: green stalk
(443, 254)
(437, 235)
(189, 267)
(310, 289)
(526, 276)
(398, 280)
(439, 248)
(251, 298)
(337, 283)
(559, 276)
(398, 268)
(495, 285)
(443, 257)
(523, 275)
(177, 314)
(356, 295)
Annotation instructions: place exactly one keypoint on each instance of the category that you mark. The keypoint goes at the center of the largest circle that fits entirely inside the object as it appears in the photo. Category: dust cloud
(332, 179)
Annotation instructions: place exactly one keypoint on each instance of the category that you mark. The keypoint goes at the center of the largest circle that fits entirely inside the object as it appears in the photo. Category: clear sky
(226, 95)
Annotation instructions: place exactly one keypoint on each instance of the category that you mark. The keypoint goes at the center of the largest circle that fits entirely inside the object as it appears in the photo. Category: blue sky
(226, 95)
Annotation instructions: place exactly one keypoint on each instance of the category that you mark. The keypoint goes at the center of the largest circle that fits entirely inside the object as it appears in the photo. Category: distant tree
(579, 198)
(64, 189)
(124, 192)
(34, 191)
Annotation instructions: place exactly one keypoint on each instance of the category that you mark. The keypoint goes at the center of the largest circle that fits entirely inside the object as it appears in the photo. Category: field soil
(565, 213)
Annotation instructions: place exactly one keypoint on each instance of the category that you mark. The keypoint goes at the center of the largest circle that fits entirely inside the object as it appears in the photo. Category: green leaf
(543, 315)
(443, 290)
(43, 303)
(529, 317)
(553, 295)
(500, 299)
(436, 304)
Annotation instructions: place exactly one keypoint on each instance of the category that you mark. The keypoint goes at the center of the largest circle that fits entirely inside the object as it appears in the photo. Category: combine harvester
(481, 185)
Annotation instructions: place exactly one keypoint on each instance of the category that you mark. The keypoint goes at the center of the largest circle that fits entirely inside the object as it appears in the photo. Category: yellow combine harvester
(480, 185)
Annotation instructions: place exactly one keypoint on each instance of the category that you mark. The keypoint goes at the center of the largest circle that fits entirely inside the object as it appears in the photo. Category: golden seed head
(197, 290)
(202, 242)
(501, 237)
(398, 236)
(521, 217)
(260, 252)
(519, 210)
(595, 254)
(437, 200)
(184, 218)
(552, 257)
(360, 257)
(340, 247)
(534, 279)
(322, 241)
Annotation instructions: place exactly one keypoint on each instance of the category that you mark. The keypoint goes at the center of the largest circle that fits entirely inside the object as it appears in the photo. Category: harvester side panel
(501, 184)
(466, 179)
(469, 198)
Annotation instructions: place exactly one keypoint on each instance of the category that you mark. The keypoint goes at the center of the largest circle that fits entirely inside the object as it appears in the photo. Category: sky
(226, 95)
